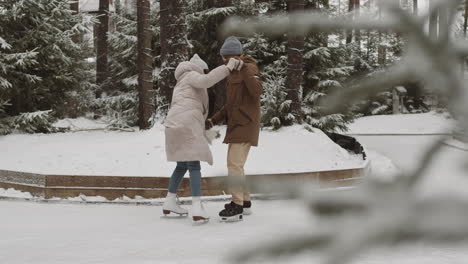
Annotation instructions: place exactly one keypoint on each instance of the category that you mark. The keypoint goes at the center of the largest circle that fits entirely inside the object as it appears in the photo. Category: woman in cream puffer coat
(185, 129)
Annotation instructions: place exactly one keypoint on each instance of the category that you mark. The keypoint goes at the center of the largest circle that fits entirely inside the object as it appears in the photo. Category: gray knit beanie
(231, 46)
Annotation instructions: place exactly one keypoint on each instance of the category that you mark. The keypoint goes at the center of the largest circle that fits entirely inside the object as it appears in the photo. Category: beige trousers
(236, 158)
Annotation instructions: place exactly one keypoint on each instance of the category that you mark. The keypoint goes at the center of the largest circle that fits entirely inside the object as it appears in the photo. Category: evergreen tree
(41, 67)
(145, 77)
(433, 21)
(295, 65)
(102, 29)
(174, 44)
(121, 104)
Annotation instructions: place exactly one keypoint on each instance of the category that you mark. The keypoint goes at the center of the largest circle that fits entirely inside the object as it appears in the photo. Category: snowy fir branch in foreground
(378, 213)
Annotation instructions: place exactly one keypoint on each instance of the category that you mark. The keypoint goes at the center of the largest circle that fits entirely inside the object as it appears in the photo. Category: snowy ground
(428, 123)
(292, 149)
(143, 153)
(70, 233)
(447, 172)
(103, 233)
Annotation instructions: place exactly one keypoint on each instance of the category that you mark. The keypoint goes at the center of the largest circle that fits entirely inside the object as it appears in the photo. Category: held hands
(208, 124)
(235, 64)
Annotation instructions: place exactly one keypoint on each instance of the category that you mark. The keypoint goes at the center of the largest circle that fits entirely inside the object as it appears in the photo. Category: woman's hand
(235, 64)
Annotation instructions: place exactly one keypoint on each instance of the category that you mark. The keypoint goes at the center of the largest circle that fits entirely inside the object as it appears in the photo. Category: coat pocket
(240, 117)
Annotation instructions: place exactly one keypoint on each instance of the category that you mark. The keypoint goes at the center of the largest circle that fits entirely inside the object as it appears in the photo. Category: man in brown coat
(242, 115)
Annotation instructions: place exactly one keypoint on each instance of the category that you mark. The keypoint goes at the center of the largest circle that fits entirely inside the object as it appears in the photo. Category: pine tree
(295, 66)
(357, 13)
(121, 104)
(102, 67)
(465, 26)
(433, 21)
(174, 44)
(41, 67)
(349, 33)
(145, 78)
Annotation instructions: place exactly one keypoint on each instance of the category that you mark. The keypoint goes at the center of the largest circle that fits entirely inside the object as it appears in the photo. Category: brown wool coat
(242, 109)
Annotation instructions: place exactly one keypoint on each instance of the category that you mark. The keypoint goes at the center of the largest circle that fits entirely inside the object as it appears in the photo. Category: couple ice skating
(187, 122)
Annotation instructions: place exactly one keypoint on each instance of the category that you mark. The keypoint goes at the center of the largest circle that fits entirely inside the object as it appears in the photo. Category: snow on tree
(295, 48)
(145, 61)
(120, 105)
(41, 67)
(174, 44)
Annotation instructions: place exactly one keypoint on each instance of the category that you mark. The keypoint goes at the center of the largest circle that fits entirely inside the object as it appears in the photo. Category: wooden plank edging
(112, 187)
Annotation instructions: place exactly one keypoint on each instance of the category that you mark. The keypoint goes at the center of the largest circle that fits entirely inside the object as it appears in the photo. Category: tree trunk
(369, 44)
(433, 20)
(444, 31)
(295, 67)
(381, 49)
(415, 7)
(174, 46)
(349, 33)
(75, 7)
(144, 63)
(102, 70)
(357, 32)
(342, 33)
(465, 25)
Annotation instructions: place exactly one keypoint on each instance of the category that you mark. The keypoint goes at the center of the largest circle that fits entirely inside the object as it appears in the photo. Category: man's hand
(208, 124)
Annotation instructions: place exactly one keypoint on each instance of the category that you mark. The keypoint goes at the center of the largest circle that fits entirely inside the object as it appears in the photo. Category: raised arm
(204, 81)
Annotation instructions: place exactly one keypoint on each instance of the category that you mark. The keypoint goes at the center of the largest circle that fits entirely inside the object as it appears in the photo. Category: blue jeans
(194, 169)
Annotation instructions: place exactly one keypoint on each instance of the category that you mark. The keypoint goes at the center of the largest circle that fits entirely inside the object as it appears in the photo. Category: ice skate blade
(200, 220)
(169, 214)
(235, 218)
(247, 211)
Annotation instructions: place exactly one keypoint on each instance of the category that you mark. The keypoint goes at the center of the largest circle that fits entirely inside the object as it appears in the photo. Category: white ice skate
(199, 215)
(171, 206)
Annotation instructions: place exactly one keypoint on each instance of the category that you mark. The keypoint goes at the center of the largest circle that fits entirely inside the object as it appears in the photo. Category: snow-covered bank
(291, 149)
(428, 123)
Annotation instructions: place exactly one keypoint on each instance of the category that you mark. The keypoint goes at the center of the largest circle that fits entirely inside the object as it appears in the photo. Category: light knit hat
(231, 46)
(199, 62)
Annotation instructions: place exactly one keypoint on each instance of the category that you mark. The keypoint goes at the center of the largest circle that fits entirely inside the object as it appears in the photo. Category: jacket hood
(185, 67)
(199, 62)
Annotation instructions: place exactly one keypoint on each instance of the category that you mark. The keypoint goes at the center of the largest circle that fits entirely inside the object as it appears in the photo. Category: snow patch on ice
(427, 123)
(81, 123)
(381, 167)
(13, 193)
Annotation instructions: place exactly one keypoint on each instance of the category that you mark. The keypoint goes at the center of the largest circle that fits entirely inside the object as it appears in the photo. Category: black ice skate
(232, 213)
(246, 207)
